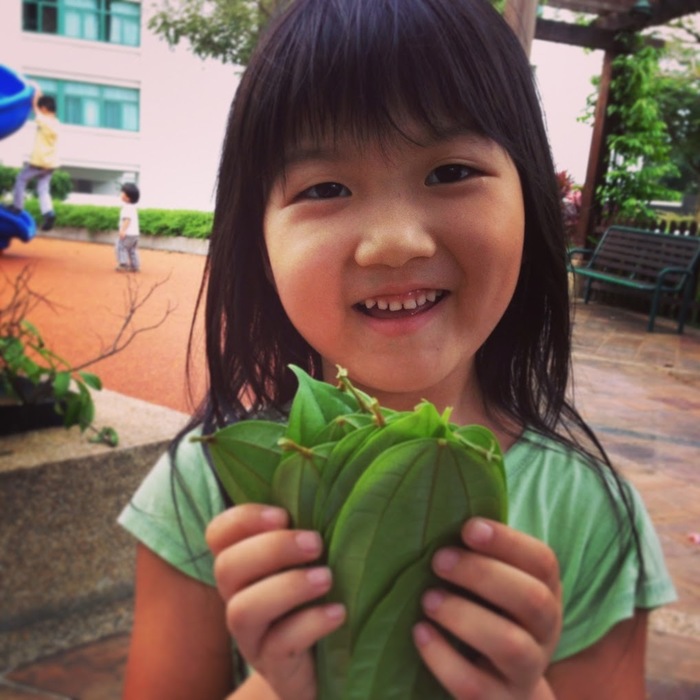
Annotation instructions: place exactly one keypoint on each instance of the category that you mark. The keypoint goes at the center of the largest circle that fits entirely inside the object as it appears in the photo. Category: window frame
(129, 24)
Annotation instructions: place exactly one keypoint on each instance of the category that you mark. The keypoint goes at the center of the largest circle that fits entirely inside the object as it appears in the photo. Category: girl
(387, 202)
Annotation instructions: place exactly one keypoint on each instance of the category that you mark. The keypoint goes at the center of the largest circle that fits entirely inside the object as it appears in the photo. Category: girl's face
(397, 262)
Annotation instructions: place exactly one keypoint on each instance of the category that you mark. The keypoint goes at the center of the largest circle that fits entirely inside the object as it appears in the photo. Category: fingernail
(320, 576)
(335, 611)
(274, 516)
(479, 532)
(422, 634)
(309, 542)
(445, 560)
(432, 600)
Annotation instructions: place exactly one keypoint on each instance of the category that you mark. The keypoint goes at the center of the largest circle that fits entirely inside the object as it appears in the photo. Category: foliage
(678, 95)
(223, 29)
(32, 372)
(385, 489)
(227, 30)
(61, 183)
(156, 222)
(638, 142)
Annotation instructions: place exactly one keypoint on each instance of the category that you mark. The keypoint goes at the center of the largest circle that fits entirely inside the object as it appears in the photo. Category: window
(113, 21)
(87, 104)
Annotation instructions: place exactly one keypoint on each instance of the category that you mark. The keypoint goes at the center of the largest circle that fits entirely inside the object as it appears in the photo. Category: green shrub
(155, 222)
(61, 184)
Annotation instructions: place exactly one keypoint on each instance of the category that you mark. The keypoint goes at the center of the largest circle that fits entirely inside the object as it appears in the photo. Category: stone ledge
(66, 567)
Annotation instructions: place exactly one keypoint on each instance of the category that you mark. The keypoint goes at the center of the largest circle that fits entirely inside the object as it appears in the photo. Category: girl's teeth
(412, 303)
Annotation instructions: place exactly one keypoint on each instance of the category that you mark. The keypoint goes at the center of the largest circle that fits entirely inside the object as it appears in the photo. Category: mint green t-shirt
(553, 495)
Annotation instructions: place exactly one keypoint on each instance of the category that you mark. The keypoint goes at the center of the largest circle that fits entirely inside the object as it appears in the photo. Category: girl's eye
(325, 190)
(448, 173)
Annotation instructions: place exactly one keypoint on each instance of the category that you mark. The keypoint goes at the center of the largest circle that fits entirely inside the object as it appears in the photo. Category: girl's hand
(517, 574)
(261, 574)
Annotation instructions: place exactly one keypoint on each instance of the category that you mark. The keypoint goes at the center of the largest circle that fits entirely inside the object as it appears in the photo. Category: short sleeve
(172, 507)
(559, 498)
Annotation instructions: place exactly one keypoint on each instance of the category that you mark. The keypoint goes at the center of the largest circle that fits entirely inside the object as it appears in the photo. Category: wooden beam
(597, 160)
(588, 36)
(661, 13)
(575, 34)
(521, 16)
(592, 7)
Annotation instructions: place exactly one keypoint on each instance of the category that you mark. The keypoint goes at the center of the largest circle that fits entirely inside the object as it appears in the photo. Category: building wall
(184, 103)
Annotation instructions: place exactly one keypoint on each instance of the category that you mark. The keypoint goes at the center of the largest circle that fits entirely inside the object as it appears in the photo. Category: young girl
(387, 202)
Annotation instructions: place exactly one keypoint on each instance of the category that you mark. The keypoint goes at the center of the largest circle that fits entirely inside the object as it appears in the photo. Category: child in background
(128, 241)
(43, 159)
(387, 202)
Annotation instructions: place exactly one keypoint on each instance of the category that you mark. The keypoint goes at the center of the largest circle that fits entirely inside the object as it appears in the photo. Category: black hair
(131, 191)
(47, 102)
(354, 66)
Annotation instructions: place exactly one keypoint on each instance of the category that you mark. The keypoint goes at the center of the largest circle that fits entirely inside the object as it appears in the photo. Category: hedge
(155, 222)
(61, 184)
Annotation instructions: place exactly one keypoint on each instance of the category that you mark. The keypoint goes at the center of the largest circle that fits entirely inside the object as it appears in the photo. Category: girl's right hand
(262, 573)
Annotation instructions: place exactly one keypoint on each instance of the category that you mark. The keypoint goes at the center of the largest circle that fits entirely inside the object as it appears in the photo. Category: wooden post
(597, 156)
(521, 16)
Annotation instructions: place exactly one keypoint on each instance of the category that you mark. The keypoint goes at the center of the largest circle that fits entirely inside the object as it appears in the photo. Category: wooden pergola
(611, 18)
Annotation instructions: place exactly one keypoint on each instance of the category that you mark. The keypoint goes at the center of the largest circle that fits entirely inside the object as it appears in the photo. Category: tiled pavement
(640, 392)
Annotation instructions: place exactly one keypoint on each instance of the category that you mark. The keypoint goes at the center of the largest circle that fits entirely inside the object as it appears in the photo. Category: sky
(563, 76)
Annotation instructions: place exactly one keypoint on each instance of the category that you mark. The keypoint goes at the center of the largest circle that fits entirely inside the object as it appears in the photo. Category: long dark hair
(353, 66)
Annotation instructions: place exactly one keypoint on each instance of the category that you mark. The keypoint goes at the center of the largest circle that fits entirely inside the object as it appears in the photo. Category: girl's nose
(393, 239)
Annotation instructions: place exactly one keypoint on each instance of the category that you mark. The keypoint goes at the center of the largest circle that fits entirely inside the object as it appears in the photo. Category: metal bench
(658, 264)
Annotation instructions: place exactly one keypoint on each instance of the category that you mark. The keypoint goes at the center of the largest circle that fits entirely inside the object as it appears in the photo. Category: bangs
(361, 68)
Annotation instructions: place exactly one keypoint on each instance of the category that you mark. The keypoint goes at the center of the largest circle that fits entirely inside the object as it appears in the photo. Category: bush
(155, 222)
(61, 184)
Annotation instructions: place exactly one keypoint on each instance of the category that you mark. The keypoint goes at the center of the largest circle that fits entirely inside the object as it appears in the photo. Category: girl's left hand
(518, 575)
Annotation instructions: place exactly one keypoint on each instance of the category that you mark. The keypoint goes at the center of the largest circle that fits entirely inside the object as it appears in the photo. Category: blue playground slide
(12, 225)
(15, 106)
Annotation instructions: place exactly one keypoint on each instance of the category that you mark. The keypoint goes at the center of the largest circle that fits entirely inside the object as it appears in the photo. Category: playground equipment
(15, 106)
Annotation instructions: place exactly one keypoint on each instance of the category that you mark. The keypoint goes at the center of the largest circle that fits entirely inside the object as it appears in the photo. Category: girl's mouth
(398, 306)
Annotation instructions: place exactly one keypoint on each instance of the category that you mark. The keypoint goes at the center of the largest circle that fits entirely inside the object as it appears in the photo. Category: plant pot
(20, 417)
(36, 413)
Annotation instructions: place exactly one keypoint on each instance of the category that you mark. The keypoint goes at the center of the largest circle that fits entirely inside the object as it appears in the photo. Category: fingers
(265, 574)
(261, 616)
(513, 547)
(513, 618)
(237, 523)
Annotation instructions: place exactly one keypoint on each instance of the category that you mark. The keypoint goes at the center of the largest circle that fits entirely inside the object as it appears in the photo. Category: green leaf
(352, 456)
(61, 383)
(385, 662)
(412, 499)
(92, 380)
(245, 456)
(296, 480)
(315, 404)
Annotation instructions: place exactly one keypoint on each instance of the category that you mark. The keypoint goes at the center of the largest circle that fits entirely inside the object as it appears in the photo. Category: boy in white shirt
(127, 243)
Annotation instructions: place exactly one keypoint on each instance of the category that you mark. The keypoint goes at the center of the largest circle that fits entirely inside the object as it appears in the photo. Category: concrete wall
(66, 567)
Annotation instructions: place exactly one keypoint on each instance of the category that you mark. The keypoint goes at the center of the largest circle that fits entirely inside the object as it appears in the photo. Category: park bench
(645, 262)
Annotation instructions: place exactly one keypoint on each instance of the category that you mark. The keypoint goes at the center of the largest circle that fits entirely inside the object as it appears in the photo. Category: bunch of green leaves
(385, 489)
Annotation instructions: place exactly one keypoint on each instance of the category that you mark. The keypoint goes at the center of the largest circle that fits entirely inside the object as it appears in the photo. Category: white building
(131, 108)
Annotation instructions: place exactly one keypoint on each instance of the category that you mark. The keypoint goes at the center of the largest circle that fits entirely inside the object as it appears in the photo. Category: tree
(678, 96)
(226, 30)
(638, 142)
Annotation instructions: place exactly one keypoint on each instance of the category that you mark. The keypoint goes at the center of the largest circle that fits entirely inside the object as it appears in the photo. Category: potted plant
(38, 388)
